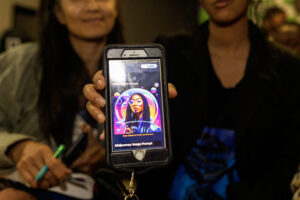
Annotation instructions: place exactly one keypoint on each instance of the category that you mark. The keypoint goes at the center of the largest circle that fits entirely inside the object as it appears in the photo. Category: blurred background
(147, 19)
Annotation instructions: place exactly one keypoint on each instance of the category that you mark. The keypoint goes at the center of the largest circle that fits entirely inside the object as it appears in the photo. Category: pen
(44, 169)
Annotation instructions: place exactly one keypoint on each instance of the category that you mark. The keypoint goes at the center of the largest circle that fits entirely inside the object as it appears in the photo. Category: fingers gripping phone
(137, 123)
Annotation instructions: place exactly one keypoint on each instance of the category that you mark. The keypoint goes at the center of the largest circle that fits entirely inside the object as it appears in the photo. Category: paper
(78, 185)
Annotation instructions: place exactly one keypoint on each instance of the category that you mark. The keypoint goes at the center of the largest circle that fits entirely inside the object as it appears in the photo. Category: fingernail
(99, 83)
(100, 101)
(100, 117)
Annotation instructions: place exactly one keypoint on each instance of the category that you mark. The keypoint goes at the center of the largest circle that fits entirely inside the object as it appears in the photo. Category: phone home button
(139, 154)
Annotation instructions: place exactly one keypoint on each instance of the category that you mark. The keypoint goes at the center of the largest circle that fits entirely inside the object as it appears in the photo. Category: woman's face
(224, 12)
(136, 104)
(87, 19)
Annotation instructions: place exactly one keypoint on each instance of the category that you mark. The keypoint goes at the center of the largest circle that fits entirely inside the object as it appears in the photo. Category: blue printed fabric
(209, 167)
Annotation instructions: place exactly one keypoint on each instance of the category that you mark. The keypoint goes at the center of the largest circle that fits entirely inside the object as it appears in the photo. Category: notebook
(78, 185)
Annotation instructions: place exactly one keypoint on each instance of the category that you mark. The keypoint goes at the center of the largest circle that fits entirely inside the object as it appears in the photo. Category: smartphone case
(155, 157)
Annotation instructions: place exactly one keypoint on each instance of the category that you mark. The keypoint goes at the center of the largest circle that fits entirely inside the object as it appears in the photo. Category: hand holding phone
(91, 93)
(96, 101)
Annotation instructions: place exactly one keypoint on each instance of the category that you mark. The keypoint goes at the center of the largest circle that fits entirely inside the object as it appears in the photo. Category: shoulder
(277, 60)
(184, 39)
(286, 61)
(175, 40)
(183, 47)
(19, 69)
(19, 58)
(24, 50)
(285, 68)
(280, 58)
(176, 46)
(282, 51)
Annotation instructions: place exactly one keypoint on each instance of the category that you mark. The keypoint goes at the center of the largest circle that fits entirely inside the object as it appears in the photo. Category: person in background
(241, 139)
(295, 185)
(273, 19)
(279, 31)
(41, 103)
(288, 35)
(12, 38)
(297, 6)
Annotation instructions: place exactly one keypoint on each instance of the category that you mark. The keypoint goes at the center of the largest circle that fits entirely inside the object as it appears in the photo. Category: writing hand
(31, 157)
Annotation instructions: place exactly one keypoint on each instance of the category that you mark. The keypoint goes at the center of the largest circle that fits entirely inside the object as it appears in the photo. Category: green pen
(45, 168)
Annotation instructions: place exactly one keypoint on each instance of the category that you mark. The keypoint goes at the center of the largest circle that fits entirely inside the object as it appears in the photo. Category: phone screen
(136, 104)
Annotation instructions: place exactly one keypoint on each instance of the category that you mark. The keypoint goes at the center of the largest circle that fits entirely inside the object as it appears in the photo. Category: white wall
(7, 8)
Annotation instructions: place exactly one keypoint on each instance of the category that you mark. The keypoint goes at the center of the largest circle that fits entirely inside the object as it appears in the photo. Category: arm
(8, 140)
(12, 67)
(19, 119)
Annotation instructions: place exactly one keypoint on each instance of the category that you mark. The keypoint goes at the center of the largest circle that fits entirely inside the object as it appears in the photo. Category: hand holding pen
(31, 157)
(45, 168)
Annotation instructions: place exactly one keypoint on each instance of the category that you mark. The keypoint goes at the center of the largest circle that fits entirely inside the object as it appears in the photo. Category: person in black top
(241, 139)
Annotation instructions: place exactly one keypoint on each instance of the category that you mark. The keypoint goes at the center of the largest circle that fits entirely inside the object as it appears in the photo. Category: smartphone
(137, 129)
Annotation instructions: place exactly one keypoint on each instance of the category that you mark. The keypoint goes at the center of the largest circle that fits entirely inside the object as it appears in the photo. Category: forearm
(8, 140)
(14, 151)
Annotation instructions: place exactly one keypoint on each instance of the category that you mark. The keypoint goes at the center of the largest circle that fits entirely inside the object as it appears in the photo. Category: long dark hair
(133, 118)
(64, 75)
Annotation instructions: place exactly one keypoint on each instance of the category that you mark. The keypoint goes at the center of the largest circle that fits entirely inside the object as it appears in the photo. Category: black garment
(210, 164)
(267, 120)
(221, 101)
